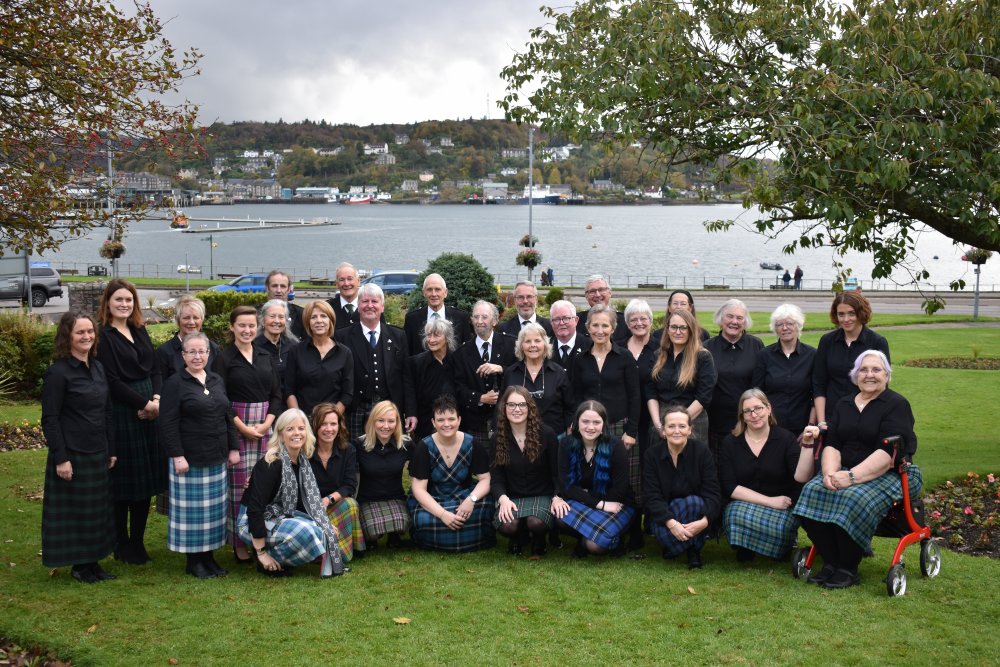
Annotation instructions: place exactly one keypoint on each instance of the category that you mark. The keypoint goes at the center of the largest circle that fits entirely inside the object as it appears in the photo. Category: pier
(261, 224)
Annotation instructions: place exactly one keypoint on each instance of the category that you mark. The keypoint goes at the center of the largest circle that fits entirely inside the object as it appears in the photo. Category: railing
(620, 282)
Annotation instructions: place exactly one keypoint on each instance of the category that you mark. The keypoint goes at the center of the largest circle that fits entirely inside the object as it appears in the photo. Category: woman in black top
(77, 528)
(544, 379)
(335, 466)
(606, 373)
(254, 391)
(128, 357)
(319, 369)
(196, 428)
(683, 373)
(784, 370)
(524, 474)
(735, 354)
(838, 350)
(430, 372)
(681, 487)
(383, 452)
(189, 315)
(275, 337)
(761, 469)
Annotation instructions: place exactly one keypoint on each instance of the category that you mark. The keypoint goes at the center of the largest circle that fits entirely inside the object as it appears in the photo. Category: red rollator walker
(905, 521)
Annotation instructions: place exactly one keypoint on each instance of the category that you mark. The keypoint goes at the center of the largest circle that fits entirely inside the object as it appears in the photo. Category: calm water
(630, 243)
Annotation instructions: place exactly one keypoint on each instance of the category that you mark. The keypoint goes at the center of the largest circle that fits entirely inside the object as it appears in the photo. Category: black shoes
(842, 579)
(101, 573)
(84, 574)
(694, 559)
(514, 545)
(200, 570)
(214, 567)
(241, 561)
(744, 555)
(822, 576)
(580, 550)
(131, 553)
(538, 545)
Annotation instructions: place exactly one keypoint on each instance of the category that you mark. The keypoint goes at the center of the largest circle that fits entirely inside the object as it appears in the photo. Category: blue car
(394, 282)
(248, 282)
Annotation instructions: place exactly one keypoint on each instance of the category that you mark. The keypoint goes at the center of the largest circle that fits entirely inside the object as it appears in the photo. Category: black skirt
(77, 523)
(141, 471)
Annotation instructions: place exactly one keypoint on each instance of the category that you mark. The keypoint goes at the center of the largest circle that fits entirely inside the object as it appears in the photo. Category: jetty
(261, 224)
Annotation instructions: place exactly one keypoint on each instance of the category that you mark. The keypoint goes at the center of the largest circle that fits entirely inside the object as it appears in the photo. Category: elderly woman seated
(842, 506)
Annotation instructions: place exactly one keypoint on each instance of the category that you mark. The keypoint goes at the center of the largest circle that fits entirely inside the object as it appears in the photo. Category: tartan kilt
(481, 434)
(760, 529)
(858, 509)
(197, 509)
(357, 417)
(381, 517)
(536, 506)
(295, 540)
(685, 510)
(346, 521)
(477, 533)
(141, 470)
(251, 451)
(602, 528)
(77, 524)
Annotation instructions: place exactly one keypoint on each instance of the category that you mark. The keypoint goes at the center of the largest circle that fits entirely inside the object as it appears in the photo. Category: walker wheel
(930, 558)
(799, 568)
(895, 581)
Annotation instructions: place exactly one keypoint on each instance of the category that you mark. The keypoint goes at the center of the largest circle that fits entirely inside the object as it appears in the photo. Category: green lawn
(489, 608)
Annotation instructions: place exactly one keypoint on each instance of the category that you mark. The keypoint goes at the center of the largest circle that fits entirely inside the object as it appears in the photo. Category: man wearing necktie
(380, 368)
(435, 292)
(345, 303)
(479, 366)
(525, 301)
(568, 345)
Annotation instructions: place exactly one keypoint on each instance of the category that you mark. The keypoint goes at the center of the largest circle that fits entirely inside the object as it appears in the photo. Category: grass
(494, 609)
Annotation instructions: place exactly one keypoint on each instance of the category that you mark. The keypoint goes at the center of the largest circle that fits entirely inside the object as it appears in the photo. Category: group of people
(291, 442)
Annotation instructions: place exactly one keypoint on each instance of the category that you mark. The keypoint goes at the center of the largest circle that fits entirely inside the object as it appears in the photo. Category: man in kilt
(479, 365)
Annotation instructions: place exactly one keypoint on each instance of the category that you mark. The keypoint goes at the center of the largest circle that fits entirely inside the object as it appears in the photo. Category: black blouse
(835, 359)
(788, 383)
(170, 360)
(314, 380)
(582, 491)
(279, 356)
(616, 385)
(262, 489)
(381, 471)
(771, 474)
(734, 364)
(196, 421)
(340, 475)
(522, 478)
(126, 362)
(550, 389)
(76, 409)
(694, 475)
(430, 379)
(251, 382)
(665, 388)
(420, 466)
(858, 433)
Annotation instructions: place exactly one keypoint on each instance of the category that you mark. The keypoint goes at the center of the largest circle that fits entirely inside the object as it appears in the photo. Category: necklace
(757, 441)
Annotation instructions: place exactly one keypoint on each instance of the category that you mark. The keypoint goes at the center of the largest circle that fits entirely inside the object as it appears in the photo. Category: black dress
(550, 389)
(734, 365)
(788, 383)
(430, 379)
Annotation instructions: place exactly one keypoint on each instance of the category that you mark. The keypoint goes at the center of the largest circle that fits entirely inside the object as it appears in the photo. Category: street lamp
(212, 245)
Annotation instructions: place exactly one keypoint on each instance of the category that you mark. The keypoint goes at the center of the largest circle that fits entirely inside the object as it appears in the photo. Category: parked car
(248, 282)
(394, 282)
(46, 283)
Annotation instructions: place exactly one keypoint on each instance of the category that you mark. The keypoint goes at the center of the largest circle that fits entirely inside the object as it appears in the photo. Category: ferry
(179, 221)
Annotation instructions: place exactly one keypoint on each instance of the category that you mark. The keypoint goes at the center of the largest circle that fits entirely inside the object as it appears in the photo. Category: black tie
(565, 351)
(486, 352)
(525, 323)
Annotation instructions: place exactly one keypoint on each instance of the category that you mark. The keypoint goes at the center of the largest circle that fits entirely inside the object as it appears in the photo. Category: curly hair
(62, 347)
(504, 435)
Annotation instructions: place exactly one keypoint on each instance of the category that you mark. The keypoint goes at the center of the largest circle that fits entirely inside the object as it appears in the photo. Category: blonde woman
(382, 453)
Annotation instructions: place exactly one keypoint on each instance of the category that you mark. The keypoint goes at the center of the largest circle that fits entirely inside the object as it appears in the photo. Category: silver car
(46, 283)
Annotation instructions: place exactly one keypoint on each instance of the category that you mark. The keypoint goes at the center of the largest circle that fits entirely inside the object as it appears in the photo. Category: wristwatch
(850, 474)
(474, 497)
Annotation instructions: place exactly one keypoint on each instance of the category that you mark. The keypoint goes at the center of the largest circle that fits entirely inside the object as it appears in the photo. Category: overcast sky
(346, 61)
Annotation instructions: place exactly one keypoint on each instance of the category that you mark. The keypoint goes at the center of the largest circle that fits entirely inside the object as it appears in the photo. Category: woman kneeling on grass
(282, 515)
(382, 453)
(335, 466)
(594, 479)
(680, 487)
(451, 482)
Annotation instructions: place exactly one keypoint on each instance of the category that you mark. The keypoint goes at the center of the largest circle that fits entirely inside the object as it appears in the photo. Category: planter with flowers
(528, 241)
(112, 249)
(529, 257)
(977, 256)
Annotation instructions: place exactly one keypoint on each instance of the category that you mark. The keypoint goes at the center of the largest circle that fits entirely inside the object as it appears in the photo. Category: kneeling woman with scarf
(282, 514)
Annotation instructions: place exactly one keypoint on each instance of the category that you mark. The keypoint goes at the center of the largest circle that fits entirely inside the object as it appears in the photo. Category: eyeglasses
(196, 353)
(754, 411)
(598, 290)
(517, 406)
(870, 371)
(785, 325)
(641, 319)
(561, 320)
(680, 328)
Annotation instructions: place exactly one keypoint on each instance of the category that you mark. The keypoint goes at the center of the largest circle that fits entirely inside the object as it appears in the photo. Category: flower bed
(965, 514)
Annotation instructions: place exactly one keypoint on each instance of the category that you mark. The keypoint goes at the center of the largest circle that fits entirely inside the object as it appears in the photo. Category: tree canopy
(858, 123)
(75, 74)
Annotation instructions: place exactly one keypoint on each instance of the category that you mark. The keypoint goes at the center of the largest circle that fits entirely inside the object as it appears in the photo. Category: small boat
(180, 221)
(358, 199)
(771, 266)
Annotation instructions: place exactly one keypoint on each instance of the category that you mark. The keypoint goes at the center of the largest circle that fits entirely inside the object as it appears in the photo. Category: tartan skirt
(345, 519)
(760, 529)
(685, 510)
(295, 540)
(858, 509)
(197, 509)
(381, 517)
(77, 524)
(477, 533)
(141, 470)
(251, 451)
(536, 506)
(602, 528)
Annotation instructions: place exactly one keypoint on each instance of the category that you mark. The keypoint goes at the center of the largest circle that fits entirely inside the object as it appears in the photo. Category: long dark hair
(319, 413)
(62, 347)
(504, 436)
(602, 454)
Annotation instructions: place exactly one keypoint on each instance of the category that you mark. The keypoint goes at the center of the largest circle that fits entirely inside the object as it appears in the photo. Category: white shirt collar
(571, 342)
(431, 311)
(377, 330)
(533, 319)
(344, 302)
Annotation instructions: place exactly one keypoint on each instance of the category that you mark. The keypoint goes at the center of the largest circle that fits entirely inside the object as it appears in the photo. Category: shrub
(222, 303)
(554, 294)
(395, 309)
(19, 354)
(468, 281)
(216, 328)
